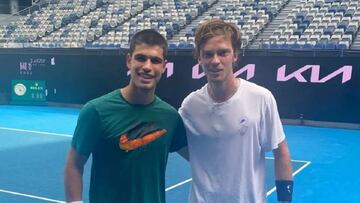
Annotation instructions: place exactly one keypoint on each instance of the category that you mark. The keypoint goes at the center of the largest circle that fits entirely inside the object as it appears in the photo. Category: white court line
(301, 168)
(32, 196)
(177, 185)
(37, 132)
(292, 160)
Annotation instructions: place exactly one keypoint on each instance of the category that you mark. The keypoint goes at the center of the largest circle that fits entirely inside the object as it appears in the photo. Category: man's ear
(236, 56)
(128, 60)
(199, 62)
(164, 68)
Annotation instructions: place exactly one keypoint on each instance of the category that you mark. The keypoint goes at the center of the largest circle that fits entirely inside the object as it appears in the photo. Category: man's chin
(146, 87)
(215, 79)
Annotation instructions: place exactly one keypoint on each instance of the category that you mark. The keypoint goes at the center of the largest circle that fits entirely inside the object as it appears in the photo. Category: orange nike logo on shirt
(127, 145)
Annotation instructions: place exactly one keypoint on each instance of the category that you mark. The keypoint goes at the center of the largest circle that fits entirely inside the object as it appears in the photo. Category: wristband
(284, 190)
(77, 202)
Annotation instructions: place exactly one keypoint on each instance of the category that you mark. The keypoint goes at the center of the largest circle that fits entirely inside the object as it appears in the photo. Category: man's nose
(215, 59)
(147, 65)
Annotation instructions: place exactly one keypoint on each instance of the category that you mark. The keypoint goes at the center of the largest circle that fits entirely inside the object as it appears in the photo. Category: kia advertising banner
(313, 88)
(320, 89)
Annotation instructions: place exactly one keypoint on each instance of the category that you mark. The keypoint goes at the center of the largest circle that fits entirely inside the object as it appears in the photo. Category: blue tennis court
(34, 142)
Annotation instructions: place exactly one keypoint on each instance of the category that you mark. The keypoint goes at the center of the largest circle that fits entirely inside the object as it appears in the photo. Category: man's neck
(222, 91)
(137, 96)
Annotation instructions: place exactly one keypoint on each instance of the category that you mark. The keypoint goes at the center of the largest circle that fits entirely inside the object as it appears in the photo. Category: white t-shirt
(227, 143)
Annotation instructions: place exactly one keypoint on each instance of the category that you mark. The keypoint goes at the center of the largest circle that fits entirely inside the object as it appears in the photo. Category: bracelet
(77, 202)
(284, 190)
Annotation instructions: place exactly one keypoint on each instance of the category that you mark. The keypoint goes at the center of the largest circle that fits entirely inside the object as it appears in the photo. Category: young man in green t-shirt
(129, 133)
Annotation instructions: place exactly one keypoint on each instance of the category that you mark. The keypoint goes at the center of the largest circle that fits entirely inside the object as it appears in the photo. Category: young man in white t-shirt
(230, 124)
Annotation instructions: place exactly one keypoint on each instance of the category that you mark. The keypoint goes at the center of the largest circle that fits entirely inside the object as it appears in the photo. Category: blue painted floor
(34, 142)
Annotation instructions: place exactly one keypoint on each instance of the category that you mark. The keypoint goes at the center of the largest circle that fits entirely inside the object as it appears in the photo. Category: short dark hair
(213, 28)
(149, 37)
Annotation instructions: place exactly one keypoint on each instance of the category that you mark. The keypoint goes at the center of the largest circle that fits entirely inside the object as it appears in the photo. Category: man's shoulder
(100, 101)
(199, 95)
(164, 105)
(104, 98)
(253, 88)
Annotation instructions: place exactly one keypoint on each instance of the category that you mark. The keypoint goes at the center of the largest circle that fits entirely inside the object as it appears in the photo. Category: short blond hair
(213, 28)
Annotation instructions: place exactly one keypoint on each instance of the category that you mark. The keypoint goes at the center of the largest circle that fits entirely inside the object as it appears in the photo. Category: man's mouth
(146, 76)
(214, 70)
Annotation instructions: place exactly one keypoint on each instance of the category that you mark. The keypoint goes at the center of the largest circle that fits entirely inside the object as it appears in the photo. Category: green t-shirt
(127, 176)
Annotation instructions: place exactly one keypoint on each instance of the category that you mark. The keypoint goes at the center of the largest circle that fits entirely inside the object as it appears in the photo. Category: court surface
(34, 142)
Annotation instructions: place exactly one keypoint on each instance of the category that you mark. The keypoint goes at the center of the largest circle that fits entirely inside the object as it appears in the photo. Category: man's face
(216, 58)
(146, 65)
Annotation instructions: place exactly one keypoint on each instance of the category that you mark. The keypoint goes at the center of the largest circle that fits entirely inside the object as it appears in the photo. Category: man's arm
(184, 152)
(283, 172)
(283, 168)
(73, 175)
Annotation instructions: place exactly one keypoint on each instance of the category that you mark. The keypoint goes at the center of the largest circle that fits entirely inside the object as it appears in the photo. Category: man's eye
(140, 58)
(156, 60)
(222, 53)
(208, 54)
